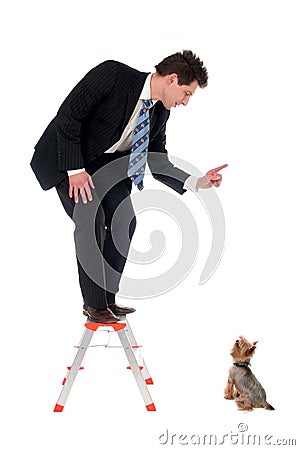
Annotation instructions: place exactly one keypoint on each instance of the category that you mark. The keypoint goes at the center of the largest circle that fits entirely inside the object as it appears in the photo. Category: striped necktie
(138, 155)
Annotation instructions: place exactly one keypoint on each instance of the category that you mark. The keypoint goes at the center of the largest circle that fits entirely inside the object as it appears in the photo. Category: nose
(185, 100)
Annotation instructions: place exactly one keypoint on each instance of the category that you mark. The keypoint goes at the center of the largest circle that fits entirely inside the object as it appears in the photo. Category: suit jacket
(92, 118)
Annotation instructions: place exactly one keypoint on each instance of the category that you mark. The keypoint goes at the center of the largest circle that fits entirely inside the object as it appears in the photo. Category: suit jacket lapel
(133, 97)
(153, 117)
(158, 117)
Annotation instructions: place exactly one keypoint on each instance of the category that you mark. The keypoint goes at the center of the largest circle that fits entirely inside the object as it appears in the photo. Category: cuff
(75, 171)
(190, 183)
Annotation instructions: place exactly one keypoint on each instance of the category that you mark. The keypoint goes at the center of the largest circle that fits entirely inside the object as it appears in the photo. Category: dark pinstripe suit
(90, 120)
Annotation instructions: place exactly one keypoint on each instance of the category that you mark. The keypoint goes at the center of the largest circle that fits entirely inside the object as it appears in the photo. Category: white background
(248, 117)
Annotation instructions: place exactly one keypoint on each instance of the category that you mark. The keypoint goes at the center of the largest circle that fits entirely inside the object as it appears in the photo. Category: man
(98, 123)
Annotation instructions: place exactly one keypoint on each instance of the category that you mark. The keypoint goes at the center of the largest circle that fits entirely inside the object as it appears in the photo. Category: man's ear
(173, 78)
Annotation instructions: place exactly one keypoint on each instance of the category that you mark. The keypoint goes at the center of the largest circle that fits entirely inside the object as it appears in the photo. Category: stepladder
(136, 362)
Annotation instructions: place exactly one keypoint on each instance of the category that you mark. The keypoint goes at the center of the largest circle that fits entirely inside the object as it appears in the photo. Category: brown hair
(186, 65)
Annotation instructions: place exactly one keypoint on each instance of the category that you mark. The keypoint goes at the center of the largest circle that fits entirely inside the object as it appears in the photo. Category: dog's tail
(269, 407)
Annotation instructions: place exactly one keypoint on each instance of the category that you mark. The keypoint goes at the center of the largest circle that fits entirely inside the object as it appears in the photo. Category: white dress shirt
(125, 141)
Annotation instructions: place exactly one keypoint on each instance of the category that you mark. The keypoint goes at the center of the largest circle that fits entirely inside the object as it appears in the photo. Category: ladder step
(141, 367)
(69, 368)
(149, 381)
(94, 325)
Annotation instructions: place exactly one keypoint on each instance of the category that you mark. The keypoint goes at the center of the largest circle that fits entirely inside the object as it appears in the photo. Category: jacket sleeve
(96, 84)
(161, 167)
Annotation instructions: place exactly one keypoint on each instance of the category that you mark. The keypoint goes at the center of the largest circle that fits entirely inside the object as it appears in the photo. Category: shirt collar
(146, 91)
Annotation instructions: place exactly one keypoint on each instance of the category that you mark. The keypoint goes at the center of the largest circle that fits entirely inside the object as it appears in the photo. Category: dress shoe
(120, 310)
(100, 315)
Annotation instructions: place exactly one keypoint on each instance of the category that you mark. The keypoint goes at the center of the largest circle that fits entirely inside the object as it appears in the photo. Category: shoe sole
(120, 314)
(98, 321)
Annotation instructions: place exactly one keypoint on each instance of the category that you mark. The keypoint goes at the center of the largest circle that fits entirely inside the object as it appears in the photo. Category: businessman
(115, 112)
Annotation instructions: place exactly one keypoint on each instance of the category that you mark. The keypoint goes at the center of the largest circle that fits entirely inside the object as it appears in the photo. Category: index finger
(219, 168)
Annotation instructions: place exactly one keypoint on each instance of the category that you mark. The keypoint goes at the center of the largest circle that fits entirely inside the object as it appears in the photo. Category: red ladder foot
(151, 407)
(58, 408)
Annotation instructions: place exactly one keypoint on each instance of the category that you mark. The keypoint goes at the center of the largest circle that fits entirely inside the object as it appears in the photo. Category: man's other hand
(81, 183)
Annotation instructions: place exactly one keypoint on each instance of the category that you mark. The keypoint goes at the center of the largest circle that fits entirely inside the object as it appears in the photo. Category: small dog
(242, 384)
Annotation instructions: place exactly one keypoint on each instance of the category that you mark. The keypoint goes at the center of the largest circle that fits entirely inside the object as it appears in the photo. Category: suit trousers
(97, 295)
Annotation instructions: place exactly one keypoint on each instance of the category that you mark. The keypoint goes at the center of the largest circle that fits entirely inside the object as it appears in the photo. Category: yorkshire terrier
(242, 385)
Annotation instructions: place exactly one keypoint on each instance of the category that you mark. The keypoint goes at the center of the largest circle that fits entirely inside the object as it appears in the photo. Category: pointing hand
(212, 178)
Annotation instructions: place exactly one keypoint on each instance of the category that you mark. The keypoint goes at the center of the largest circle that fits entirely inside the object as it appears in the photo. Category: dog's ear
(251, 350)
(254, 343)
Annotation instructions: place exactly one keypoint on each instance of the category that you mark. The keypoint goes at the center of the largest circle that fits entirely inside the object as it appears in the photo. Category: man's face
(175, 94)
